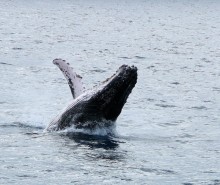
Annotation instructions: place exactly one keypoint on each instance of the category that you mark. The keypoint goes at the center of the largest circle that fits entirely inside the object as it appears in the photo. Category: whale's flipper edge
(74, 80)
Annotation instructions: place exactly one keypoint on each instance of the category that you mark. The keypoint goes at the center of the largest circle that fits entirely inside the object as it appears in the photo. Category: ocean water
(168, 132)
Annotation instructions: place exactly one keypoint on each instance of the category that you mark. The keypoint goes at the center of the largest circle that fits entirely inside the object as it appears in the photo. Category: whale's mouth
(115, 91)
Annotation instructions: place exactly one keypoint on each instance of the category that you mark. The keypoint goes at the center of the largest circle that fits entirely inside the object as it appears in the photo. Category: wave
(23, 125)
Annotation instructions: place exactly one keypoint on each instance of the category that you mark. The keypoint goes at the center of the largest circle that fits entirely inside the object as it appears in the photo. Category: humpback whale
(99, 106)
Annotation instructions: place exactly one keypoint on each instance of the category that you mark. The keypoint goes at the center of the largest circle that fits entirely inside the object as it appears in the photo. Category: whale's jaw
(101, 105)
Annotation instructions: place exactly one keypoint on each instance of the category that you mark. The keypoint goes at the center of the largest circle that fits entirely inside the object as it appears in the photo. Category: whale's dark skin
(103, 104)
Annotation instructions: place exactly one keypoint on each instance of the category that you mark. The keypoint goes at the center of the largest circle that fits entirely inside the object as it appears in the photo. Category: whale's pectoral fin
(74, 80)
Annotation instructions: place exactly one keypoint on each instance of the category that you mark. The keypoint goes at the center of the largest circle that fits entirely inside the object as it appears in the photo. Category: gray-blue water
(169, 130)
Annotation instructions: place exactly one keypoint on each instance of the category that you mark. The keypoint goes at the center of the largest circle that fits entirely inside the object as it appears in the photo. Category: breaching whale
(99, 106)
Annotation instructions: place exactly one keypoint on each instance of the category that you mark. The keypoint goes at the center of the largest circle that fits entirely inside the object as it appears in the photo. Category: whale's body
(103, 104)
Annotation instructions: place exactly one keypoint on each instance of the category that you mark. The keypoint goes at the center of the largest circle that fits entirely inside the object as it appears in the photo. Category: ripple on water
(4, 63)
(98, 71)
(127, 58)
(168, 124)
(216, 89)
(175, 83)
(199, 107)
(140, 57)
(216, 182)
(206, 60)
(165, 105)
(158, 171)
(17, 48)
(27, 176)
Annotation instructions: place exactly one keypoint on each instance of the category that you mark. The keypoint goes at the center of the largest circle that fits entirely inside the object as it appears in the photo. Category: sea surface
(169, 130)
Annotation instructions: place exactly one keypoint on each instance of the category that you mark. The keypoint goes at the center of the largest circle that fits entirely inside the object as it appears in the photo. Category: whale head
(113, 93)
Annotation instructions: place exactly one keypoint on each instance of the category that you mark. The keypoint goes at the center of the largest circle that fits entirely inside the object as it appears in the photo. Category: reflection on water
(92, 141)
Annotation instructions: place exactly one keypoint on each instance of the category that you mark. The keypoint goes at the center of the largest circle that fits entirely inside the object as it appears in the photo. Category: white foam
(100, 129)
